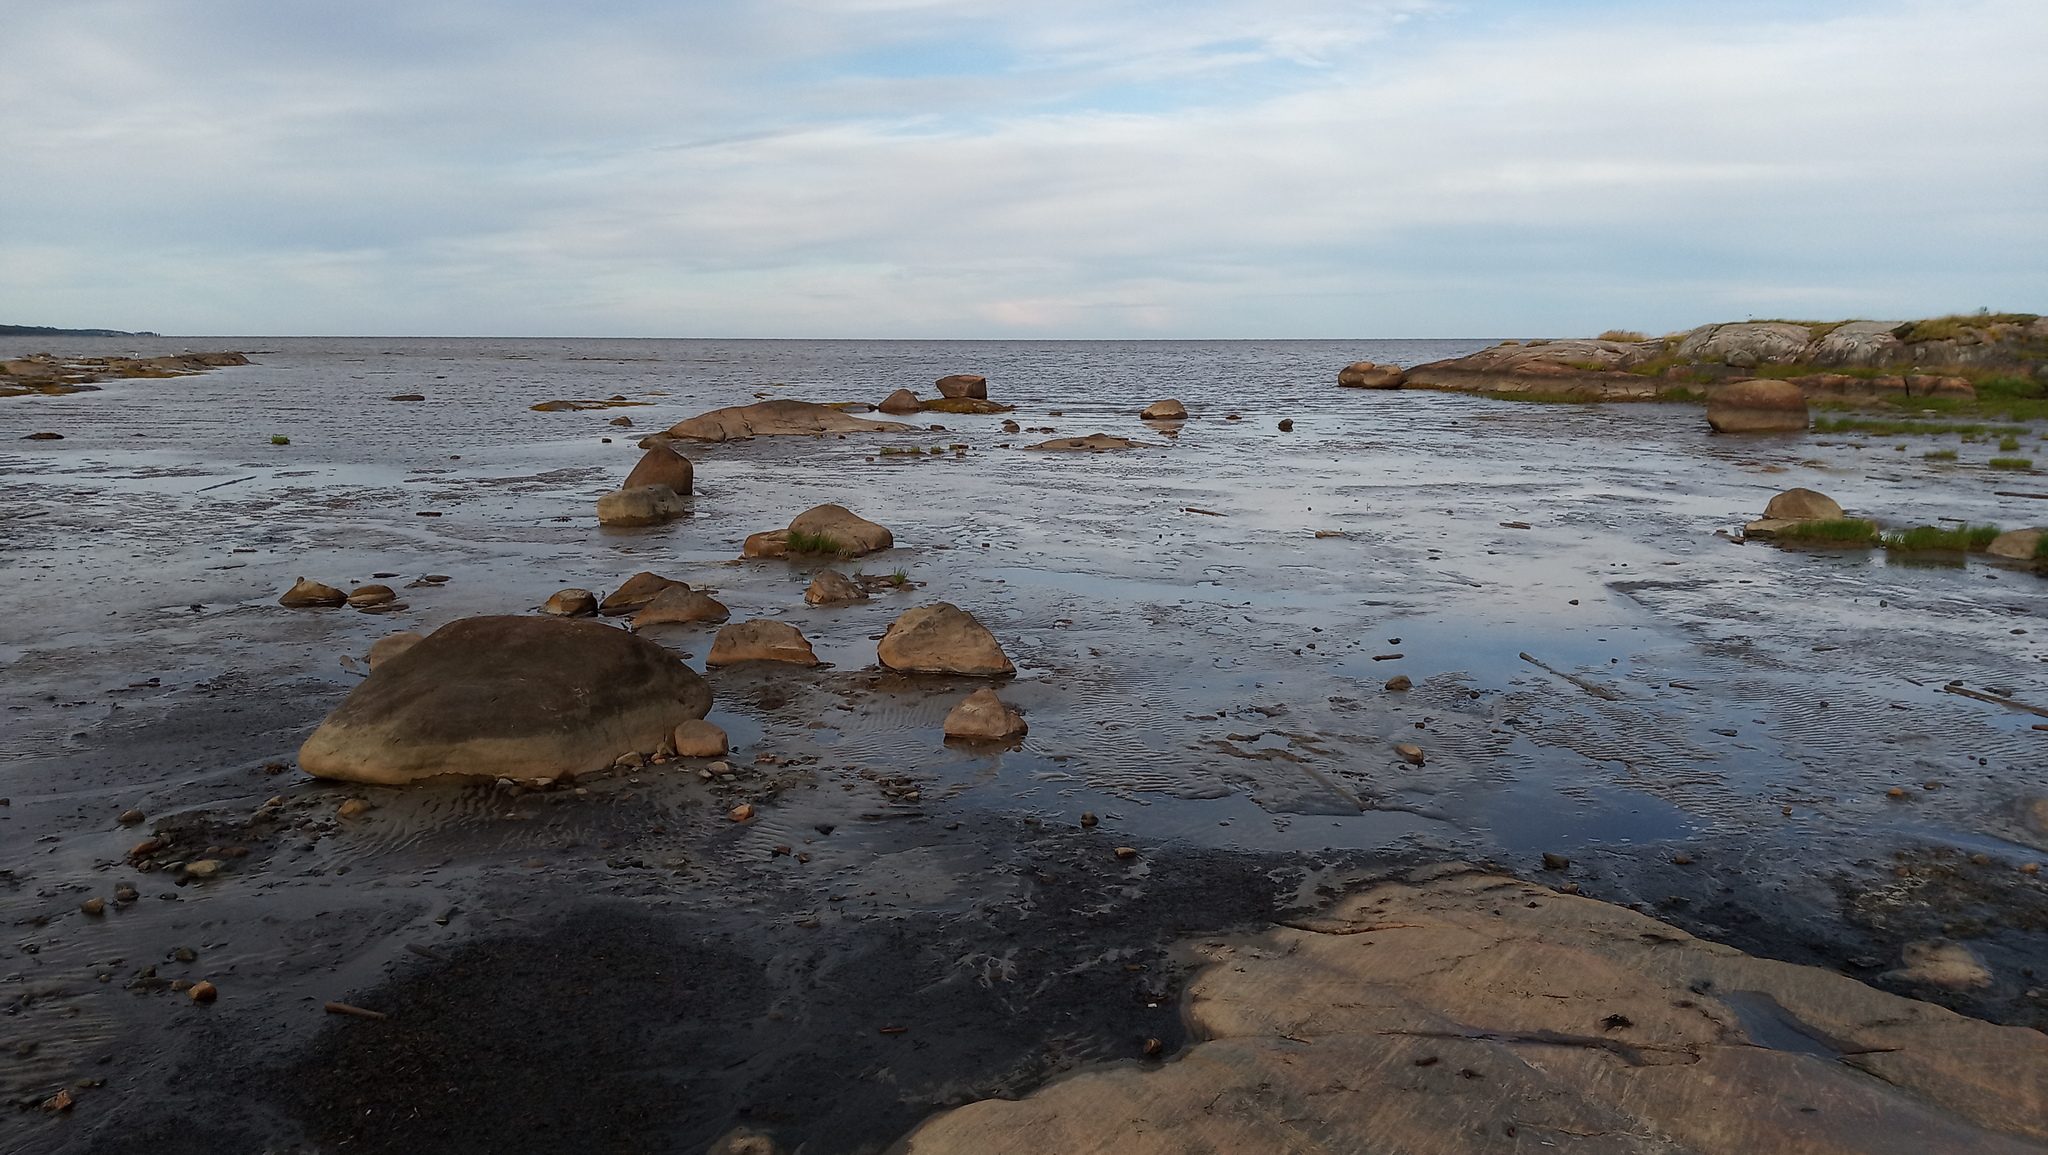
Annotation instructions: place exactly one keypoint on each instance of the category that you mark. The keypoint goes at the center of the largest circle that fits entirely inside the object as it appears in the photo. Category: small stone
(1681, 860)
(61, 1101)
(1127, 852)
(1895, 792)
(741, 813)
(1555, 861)
(1410, 754)
(831, 587)
(374, 595)
(1400, 682)
(632, 760)
(94, 906)
(126, 892)
(352, 808)
(623, 422)
(311, 593)
(131, 817)
(571, 603)
(720, 768)
(697, 738)
(1287, 426)
(203, 992)
(2030, 868)
(203, 868)
(1089, 820)
(145, 848)
(1153, 1047)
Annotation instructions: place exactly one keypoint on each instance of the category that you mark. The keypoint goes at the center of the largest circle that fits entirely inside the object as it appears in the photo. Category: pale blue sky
(949, 168)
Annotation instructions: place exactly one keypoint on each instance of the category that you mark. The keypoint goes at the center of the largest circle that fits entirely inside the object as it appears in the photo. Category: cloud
(958, 168)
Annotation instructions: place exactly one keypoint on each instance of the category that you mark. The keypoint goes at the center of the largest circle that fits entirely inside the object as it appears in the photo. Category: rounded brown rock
(636, 592)
(942, 639)
(963, 385)
(305, 594)
(662, 465)
(901, 401)
(1167, 410)
(698, 738)
(984, 717)
(372, 595)
(760, 640)
(571, 603)
(831, 587)
(680, 604)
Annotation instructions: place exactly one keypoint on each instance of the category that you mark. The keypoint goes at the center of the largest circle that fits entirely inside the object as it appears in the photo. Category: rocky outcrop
(1464, 1013)
(960, 385)
(942, 639)
(831, 588)
(571, 603)
(663, 464)
(823, 529)
(636, 592)
(49, 374)
(2018, 544)
(646, 505)
(777, 418)
(680, 605)
(1167, 410)
(1093, 443)
(305, 594)
(1366, 375)
(899, 402)
(1757, 406)
(698, 738)
(517, 697)
(760, 640)
(983, 717)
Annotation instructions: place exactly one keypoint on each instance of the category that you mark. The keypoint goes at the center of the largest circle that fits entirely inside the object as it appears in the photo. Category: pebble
(1089, 819)
(1287, 426)
(741, 813)
(1895, 792)
(352, 808)
(1127, 852)
(126, 892)
(94, 906)
(1410, 754)
(1681, 860)
(1400, 682)
(61, 1101)
(204, 992)
(131, 817)
(203, 868)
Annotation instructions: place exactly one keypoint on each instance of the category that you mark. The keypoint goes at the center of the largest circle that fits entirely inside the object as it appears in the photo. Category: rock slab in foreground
(1464, 1013)
(777, 418)
(516, 697)
(942, 639)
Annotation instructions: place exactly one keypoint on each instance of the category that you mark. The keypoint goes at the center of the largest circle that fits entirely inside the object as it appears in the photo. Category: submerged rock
(761, 640)
(831, 587)
(387, 648)
(636, 592)
(646, 505)
(777, 418)
(311, 593)
(571, 604)
(662, 465)
(901, 401)
(1167, 410)
(1757, 405)
(983, 717)
(1366, 375)
(942, 639)
(1943, 964)
(507, 697)
(964, 385)
(1482, 1015)
(1094, 442)
(680, 604)
(698, 738)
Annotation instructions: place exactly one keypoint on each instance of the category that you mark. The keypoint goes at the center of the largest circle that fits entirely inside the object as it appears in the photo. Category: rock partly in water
(1951, 965)
(831, 587)
(777, 418)
(304, 594)
(983, 717)
(571, 603)
(823, 529)
(1093, 443)
(387, 648)
(964, 385)
(646, 505)
(1366, 375)
(662, 465)
(1757, 405)
(1167, 410)
(1463, 1013)
(510, 697)
(761, 640)
(371, 595)
(1792, 508)
(901, 401)
(636, 592)
(680, 604)
(942, 639)
(697, 738)
(2019, 544)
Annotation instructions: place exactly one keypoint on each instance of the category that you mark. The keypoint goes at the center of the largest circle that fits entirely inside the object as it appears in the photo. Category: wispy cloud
(959, 168)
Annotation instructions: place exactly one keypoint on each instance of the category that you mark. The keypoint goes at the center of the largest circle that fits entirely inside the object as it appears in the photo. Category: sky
(1052, 169)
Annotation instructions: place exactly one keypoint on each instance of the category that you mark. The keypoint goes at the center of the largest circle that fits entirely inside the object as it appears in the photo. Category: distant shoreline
(46, 331)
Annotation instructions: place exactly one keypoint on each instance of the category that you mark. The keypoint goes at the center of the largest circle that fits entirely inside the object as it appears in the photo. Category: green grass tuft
(2011, 463)
(1972, 538)
(799, 542)
(2041, 546)
(1952, 326)
(1887, 426)
(1845, 530)
(280, 439)
(1940, 455)
(1626, 335)
(2009, 443)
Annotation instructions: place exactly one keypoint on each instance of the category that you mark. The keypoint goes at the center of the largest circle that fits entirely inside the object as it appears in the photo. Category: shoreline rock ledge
(1460, 1012)
(507, 697)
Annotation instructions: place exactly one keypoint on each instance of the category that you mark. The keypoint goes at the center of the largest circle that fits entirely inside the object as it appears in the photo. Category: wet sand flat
(1202, 630)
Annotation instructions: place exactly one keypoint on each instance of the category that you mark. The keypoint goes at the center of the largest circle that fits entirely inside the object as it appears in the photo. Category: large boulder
(1464, 1013)
(507, 697)
(760, 640)
(646, 505)
(1757, 405)
(1366, 375)
(2019, 544)
(983, 717)
(777, 418)
(823, 529)
(636, 592)
(1167, 410)
(304, 594)
(901, 401)
(831, 587)
(678, 605)
(942, 639)
(964, 385)
(663, 465)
